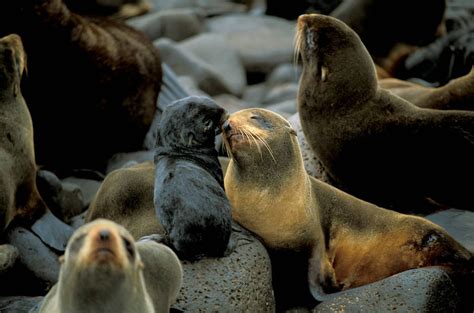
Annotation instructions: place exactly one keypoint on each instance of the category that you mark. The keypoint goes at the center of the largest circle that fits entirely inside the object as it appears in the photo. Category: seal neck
(207, 158)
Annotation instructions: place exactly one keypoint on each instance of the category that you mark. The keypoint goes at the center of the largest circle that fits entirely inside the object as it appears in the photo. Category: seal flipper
(322, 280)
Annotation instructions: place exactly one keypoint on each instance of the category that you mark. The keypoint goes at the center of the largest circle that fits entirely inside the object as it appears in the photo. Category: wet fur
(19, 196)
(348, 242)
(92, 80)
(375, 145)
(189, 195)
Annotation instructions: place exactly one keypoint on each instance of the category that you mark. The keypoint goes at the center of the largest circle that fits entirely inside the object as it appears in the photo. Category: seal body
(92, 81)
(19, 196)
(375, 145)
(102, 271)
(458, 94)
(189, 195)
(348, 242)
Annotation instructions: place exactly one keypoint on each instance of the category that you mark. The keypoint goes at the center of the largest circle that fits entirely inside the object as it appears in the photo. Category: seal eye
(128, 246)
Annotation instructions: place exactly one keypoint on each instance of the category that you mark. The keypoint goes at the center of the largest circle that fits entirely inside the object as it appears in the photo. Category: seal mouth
(104, 255)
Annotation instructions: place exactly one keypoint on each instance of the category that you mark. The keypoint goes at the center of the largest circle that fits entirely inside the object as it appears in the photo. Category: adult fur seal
(348, 242)
(375, 145)
(92, 84)
(189, 195)
(103, 271)
(19, 196)
(458, 94)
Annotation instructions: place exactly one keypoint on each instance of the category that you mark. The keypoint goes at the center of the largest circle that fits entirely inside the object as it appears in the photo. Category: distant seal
(19, 196)
(347, 242)
(103, 271)
(458, 94)
(375, 145)
(189, 195)
(92, 83)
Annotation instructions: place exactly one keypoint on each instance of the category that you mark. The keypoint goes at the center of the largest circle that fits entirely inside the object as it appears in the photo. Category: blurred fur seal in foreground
(189, 192)
(104, 270)
(19, 196)
(92, 83)
(346, 241)
(374, 144)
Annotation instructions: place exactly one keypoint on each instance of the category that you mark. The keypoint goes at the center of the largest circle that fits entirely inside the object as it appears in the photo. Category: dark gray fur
(189, 196)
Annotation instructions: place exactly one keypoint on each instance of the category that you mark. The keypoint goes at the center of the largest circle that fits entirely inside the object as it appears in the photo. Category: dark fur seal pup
(189, 192)
(92, 84)
(375, 145)
(19, 196)
(458, 94)
(104, 270)
(347, 242)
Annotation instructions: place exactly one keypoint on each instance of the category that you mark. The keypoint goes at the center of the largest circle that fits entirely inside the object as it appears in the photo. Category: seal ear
(291, 130)
(324, 73)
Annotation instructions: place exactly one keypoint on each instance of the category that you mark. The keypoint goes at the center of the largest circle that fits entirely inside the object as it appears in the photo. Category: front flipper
(322, 280)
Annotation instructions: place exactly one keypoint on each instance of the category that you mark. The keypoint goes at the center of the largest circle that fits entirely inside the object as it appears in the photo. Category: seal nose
(226, 126)
(104, 235)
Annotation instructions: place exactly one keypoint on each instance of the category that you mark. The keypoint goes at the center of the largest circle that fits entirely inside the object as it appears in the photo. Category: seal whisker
(256, 143)
(267, 146)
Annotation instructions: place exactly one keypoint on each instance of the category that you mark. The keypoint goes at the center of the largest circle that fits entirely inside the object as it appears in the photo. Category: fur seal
(19, 196)
(103, 271)
(348, 242)
(384, 24)
(189, 195)
(93, 81)
(373, 144)
(458, 94)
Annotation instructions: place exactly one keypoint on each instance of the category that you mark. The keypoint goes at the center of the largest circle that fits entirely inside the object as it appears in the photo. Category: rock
(458, 223)
(282, 93)
(214, 50)
(240, 282)
(88, 188)
(262, 42)
(184, 62)
(419, 290)
(35, 255)
(175, 24)
(8, 256)
(255, 93)
(119, 160)
(230, 103)
(190, 85)
(284, 73)
(78, 220)
(18, 304)
(210, 7)
(311, 163)
(287, 108)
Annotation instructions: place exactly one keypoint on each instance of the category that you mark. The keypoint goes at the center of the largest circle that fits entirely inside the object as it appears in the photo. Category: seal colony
(92, 81)
(375, 145)
(19, 196)
(103, 271)
(189, 196)
(348, 242)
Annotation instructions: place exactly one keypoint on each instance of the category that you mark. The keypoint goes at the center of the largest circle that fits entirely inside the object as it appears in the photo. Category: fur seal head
(334, 56)
(191, 122)
(101, 261)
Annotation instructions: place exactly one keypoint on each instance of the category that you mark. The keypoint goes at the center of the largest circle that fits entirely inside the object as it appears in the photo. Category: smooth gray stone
(419, 290)
(52, 231)
(35, 255)
(458, 223)
(18, 304)
(280, 93)
(284, 73)
(8, 256)
(119, 160)
(88, 189)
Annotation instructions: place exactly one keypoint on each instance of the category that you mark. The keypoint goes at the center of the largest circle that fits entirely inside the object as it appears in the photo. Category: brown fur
(126, 197)
(458, 94)
(113, 273)
(94, 81)
(350, 242)
(19, 197)
(375, 145)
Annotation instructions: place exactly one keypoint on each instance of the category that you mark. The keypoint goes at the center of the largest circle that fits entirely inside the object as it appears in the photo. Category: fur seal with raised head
(92, 83)
(189, 195)
(104, 270)
(373, 144)
(19, 196)
(348, 242)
